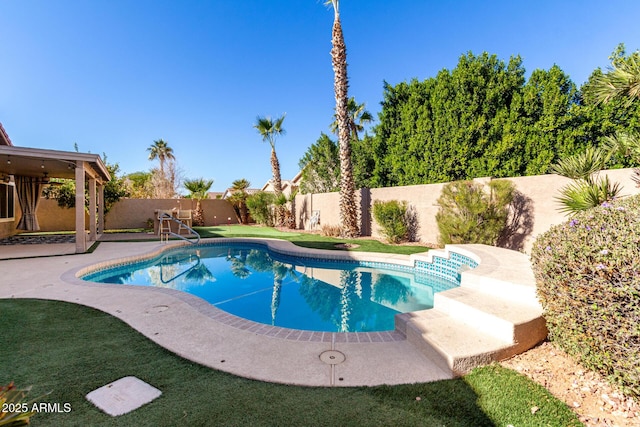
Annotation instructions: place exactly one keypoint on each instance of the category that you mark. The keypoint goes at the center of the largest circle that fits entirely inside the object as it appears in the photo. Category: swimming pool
(253, 282)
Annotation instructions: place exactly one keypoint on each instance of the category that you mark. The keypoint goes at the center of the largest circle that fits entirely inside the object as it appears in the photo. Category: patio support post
(81, 240)
(92, 210)
(100, 209)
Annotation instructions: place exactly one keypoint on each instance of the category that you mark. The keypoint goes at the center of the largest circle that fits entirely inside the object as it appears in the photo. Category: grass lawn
(71, 350)
(306, 240)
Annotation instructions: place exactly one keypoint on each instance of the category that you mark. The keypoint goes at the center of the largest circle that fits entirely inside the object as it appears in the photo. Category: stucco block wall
(134, 213)
(536, 208)
(127, 213)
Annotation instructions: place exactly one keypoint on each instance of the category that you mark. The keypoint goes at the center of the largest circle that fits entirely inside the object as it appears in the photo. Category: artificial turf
(307, 240)
(70, 350)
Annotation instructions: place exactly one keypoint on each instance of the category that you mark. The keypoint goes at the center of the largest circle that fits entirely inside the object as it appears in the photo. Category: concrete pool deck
(195, 330)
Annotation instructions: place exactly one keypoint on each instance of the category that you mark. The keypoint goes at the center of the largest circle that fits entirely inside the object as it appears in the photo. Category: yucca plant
(582, 195)
(587, 190)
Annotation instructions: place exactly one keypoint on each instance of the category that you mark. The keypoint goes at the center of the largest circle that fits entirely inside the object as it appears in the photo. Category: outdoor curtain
(29, 190)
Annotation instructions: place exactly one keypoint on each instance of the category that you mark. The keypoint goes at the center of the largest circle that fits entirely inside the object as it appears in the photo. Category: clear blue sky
(115, 75)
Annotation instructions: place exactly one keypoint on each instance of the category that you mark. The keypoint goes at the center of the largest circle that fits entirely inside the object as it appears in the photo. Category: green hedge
(588, 277)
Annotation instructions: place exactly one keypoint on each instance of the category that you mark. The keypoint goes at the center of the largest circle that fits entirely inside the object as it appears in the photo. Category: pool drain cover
(332, 357)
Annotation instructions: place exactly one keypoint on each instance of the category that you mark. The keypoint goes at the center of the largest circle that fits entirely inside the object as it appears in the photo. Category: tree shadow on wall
(519, 224)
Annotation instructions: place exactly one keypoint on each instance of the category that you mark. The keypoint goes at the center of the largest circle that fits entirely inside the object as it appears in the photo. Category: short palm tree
(270, 129)
(348, 211)
(198, 189)
(239, 199)
(358, 118)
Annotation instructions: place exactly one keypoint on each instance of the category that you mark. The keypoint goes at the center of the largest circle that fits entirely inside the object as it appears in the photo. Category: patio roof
(56, 164)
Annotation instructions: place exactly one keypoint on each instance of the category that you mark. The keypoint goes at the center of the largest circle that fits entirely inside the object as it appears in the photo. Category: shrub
(260, 207)
(588, 277)
(468, 214)
(391, 216)
(330, 230)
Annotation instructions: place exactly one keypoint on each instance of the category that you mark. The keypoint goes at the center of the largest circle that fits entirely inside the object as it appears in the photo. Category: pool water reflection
(250, 281)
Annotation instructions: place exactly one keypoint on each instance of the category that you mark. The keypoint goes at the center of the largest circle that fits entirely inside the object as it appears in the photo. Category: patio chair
(164, 221)
(184, 216)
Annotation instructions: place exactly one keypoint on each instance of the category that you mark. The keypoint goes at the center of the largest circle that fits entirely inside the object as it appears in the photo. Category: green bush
(588, 276)
(260, 207)
(391, 216)
(469, 214)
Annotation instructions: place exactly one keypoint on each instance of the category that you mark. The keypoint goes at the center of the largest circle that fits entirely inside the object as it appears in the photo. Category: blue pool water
(250, 281)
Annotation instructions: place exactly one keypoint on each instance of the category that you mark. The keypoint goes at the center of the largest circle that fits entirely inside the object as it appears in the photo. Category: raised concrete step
(506, 319)
(451, 344)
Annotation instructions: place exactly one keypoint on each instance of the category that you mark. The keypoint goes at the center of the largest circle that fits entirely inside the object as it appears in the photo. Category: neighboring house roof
(293, 183)
(229, 191)
(4, 138)
(215, 194)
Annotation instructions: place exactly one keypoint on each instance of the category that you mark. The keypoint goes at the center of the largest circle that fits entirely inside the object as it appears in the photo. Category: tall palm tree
(358, 117)
(160, 150)
(348, 212)
(269, 130)
(198, 189)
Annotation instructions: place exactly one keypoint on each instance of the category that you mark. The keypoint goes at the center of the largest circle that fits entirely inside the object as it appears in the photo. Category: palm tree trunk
(275, 169)
(277, 186)
(348, 212)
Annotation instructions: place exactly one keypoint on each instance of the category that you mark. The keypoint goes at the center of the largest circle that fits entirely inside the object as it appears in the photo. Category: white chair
(315, 220)
(184, 216)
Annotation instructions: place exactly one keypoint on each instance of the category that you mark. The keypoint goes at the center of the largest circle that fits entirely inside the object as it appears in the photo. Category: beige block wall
(538, 208)
(134, 213)
(127, 213)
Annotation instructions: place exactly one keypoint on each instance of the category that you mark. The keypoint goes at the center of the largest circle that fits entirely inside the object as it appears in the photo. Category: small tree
(198, 189)
(468, 214)
(260, 206)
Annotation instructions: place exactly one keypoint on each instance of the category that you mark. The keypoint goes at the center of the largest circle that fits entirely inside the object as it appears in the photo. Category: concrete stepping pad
(123, 395)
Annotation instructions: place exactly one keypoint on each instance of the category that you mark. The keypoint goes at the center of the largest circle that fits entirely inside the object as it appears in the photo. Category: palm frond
(621, 82)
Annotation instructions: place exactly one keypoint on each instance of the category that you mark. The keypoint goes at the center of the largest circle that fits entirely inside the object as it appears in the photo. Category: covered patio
(28, 170)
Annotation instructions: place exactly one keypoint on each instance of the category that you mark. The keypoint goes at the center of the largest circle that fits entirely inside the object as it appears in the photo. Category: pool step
(452, 345)
(493, 315)
(506, 319)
